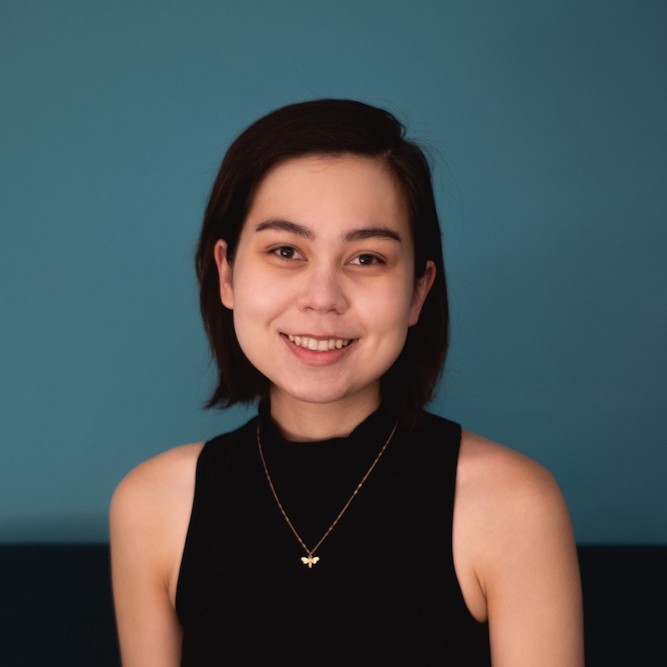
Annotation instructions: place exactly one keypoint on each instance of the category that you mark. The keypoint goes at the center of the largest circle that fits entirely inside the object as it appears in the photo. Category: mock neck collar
(373, 429)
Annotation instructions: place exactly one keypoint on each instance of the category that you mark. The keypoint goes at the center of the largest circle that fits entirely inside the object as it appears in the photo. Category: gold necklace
(310, 558)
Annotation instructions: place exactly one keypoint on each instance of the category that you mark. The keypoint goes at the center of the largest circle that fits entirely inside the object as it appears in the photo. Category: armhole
(188, 532)
(455, 476)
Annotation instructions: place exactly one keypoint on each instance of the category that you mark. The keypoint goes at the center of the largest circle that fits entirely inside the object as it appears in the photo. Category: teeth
(319, 345)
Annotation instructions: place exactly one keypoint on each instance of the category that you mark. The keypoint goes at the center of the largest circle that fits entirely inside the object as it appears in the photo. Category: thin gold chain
(310, 560)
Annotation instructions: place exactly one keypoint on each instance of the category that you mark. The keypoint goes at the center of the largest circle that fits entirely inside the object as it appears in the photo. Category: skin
(326, 255)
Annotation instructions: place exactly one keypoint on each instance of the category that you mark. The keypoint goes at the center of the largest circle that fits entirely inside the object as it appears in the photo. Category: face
(322, 282)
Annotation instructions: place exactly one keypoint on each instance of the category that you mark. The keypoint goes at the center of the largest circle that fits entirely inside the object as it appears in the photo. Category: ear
(224, 273)
(422, 287)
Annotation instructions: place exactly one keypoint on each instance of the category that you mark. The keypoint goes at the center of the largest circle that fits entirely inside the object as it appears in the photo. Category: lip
(318, 350)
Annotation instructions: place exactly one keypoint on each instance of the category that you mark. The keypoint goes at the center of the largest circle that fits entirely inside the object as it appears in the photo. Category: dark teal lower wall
(56, 608)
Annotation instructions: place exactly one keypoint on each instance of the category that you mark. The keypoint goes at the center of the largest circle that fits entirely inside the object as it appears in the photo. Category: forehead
(342, 190)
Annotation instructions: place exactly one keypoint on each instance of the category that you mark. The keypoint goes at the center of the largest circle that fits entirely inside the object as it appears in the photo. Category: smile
(319, 345)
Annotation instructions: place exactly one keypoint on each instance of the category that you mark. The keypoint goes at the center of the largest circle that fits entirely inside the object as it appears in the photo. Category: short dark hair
(330, 127)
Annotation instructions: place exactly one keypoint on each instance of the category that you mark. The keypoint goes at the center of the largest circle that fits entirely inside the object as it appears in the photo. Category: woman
(344, 524)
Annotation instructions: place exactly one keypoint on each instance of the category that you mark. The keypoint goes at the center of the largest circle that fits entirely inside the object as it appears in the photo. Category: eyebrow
(376, 231)
(373, 232)
(286, 226)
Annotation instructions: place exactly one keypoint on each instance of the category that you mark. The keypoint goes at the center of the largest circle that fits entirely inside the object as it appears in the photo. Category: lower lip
(314, 358)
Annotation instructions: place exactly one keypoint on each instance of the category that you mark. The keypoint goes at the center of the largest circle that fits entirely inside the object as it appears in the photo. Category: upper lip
(326, 336)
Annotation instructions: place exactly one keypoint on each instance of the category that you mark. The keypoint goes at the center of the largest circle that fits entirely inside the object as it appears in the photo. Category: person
(344, 523)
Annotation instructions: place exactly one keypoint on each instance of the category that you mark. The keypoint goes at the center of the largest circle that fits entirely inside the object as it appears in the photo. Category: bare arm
(148, 519)
(524, 559)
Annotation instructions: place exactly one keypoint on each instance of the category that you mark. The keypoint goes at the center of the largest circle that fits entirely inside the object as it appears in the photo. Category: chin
(320, 395)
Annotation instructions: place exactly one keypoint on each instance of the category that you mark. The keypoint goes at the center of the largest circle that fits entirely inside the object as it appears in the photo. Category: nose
(323, 290)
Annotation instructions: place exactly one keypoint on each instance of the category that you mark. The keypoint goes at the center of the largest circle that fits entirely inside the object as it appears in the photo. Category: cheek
(253, 295)
(392, 307)
(389, 318)
(256, 304)
(251, 336)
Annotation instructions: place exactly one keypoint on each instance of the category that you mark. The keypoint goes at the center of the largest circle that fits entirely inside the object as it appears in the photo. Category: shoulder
(150, 508)
(162, 483)
(157, 479)
(509, 500)
(484, 462)
(513, 538)
(505, 486)
(492, 478)
(149, 517)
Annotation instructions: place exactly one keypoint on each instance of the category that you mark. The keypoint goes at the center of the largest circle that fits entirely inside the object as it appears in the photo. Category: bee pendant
(309, 560)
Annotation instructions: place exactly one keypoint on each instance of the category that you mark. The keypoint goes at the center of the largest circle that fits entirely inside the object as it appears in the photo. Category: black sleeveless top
(384, 591)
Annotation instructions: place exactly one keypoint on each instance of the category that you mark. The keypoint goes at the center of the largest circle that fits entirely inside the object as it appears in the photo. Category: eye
(367, 259)
(286, 252)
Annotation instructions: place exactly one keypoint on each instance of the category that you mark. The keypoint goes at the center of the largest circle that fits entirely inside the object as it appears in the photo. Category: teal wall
(547, 120)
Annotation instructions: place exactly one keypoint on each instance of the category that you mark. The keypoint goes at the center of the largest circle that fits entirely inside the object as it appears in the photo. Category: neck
(301, 421)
